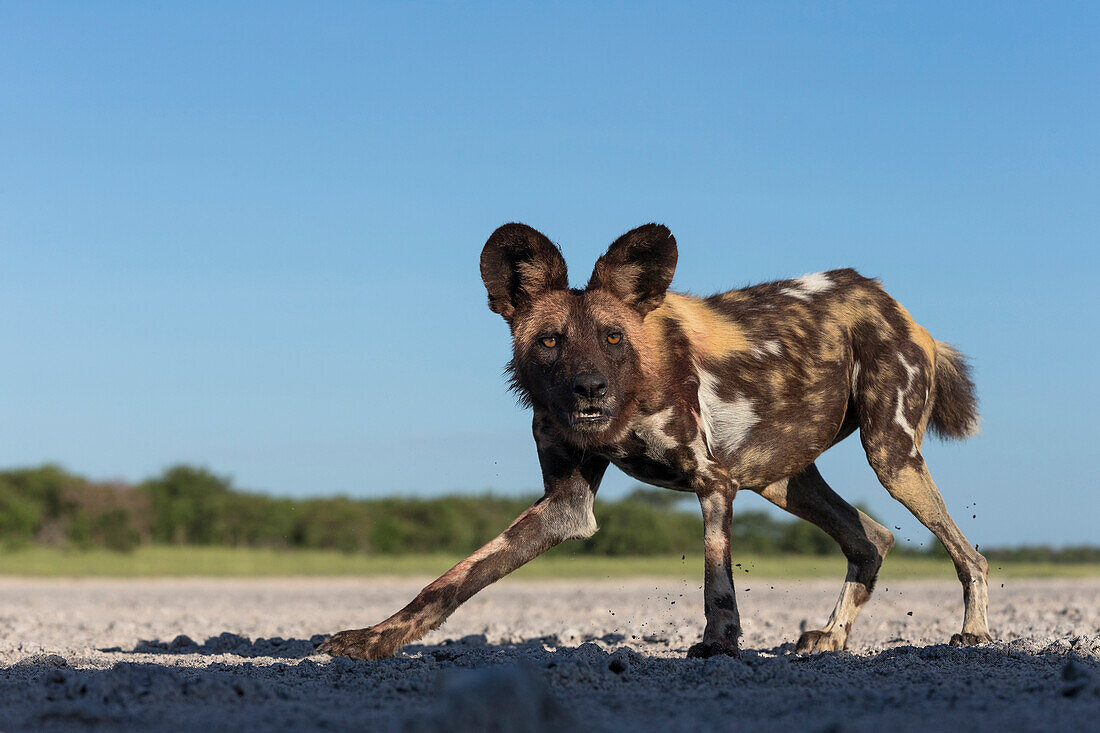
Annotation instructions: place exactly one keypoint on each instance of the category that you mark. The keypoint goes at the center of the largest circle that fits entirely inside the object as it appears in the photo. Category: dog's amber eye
(614, 338)
(549, 342)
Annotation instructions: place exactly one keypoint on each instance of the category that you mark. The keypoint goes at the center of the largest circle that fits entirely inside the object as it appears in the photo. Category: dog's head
(578, 354)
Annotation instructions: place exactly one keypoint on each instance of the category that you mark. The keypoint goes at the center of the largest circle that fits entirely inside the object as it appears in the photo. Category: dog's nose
(590, 384)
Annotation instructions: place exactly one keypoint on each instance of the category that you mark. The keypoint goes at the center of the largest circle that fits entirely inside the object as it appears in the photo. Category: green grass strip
(167, 561)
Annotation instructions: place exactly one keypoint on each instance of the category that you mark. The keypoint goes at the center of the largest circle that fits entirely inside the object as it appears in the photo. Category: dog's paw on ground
(966, 639)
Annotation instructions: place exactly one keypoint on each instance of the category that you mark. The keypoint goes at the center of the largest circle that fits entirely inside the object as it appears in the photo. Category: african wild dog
(743, 389)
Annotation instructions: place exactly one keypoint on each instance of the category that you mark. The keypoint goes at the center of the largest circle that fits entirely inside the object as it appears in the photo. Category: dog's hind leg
(895, 406)
(864, 542)
(913, 487)
(564, 512)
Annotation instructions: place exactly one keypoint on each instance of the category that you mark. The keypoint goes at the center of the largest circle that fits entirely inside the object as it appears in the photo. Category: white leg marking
(911, 371)
(899, 418)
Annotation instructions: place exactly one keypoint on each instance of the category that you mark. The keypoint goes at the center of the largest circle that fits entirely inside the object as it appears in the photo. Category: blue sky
(247, 236)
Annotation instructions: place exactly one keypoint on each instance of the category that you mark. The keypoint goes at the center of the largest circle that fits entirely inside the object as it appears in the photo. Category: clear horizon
(250, 241)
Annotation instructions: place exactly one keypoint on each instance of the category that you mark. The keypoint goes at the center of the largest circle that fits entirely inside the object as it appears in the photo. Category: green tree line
(186, 505)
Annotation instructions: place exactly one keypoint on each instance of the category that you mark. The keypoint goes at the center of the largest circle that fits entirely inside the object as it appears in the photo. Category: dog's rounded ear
(638, 267)
(518, 264)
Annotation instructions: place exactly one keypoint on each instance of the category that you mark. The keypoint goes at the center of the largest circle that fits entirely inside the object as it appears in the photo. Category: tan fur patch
(860, 306)
(712, 335)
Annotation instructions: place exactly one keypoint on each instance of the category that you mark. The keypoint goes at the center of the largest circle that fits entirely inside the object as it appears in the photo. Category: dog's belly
(652, 471)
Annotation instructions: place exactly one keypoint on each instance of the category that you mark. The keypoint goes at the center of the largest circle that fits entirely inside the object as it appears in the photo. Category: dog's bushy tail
(954, 403)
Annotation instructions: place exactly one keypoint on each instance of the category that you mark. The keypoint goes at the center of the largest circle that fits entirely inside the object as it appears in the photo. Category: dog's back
(783, 370)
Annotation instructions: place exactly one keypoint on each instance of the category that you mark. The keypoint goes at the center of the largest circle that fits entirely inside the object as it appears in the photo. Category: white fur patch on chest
(725, 423)
(650, 430)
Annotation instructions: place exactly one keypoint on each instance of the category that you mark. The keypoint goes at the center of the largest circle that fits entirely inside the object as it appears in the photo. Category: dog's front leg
(723, 622)
(564, 512)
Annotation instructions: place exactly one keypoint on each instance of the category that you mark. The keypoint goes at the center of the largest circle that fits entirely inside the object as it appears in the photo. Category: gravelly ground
(538, 655)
